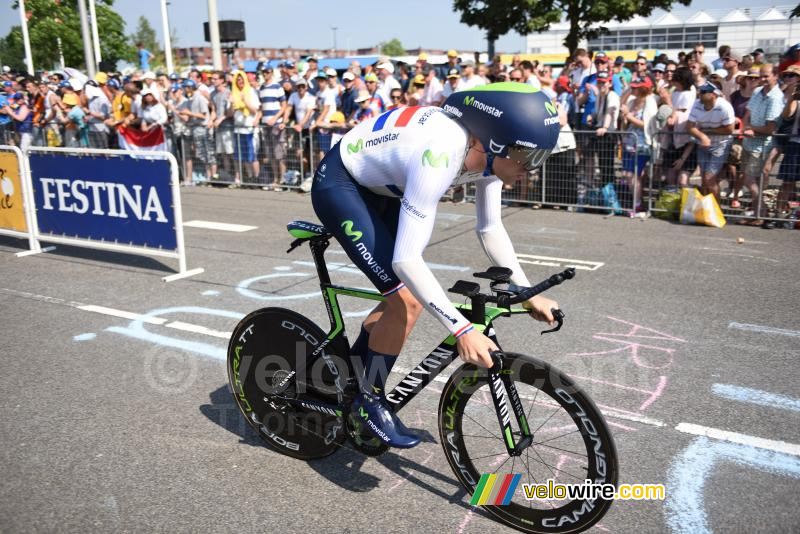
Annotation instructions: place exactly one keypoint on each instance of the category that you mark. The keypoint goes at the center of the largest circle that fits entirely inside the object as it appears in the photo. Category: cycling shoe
(381, 422)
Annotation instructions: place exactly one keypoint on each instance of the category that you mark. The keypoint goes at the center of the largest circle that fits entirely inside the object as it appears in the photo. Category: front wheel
(571, 443)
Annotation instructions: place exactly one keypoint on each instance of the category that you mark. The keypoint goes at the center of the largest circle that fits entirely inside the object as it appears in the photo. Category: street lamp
(334, 28)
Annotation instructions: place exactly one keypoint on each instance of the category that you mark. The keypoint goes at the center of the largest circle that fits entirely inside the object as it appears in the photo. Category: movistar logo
(491, 110)
(435, 161)
(551, 108)
(363, 413)
(349, 232)
(354, 148)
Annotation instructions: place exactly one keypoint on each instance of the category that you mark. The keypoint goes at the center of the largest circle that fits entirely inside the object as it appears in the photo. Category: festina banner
(117, 199)
(133, 139)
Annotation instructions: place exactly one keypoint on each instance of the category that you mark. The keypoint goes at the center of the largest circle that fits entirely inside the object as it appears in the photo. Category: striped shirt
(271, 97)
(763, 109)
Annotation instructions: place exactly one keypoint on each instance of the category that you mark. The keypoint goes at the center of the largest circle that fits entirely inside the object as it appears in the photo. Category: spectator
(144, 57)
(760, 121)
(681, 159)
(453, 84)
(747, 63)
(417, 91)
(76, 132)
(699, 51)
(220, 123)
(273, 137)
(452, 63)
(790, 167)
(246, 111)
(711, 122)
(347, 98)
(50, 119)
(660, 78)
(638, 112)
(791, 57)
(6, 124)
(202, 88)
(375, 101)
(469, 79)
(99, 111)
(528, 74)
(739, 100)
(433, 88)
(22, 115)
(515, 75)
(312, 75)
(587, 100)
(36, 103)
(193, 112)
(560, 166)
(326, 106)
(731, 65)
(605, 119)
(719, 63)
(582, 67)
(621, 78)
(396, 99)
(387, 80)
(758, 57)
(364, 112)
(153, 113)
(303, 105)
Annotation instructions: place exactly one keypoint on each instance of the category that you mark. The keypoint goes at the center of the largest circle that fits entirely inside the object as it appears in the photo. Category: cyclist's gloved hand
(475, 348)
(540, 307)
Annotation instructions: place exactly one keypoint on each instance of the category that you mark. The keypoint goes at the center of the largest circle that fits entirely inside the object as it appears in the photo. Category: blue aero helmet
(510, 119)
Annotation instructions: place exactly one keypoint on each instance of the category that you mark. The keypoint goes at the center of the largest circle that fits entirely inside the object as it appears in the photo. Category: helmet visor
(530, 158)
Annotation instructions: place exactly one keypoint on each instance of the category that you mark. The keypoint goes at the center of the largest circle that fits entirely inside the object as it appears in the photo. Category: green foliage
(50, 19)
(498, 17)
(795, 12)
(393, 48)
(146, 35)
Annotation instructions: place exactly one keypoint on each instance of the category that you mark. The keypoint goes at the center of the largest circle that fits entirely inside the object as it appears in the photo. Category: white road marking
(742, 439)
(225, 227)
(122, 314)
(197, 329)
(559, 262)
(763, 329)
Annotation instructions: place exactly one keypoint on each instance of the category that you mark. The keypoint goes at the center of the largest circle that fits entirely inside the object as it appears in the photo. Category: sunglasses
(641, 63)
(396, 97)
(515, 79)
(372, 82)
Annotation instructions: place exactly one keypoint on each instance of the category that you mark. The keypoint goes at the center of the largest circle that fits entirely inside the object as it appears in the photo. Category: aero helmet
(511, 120)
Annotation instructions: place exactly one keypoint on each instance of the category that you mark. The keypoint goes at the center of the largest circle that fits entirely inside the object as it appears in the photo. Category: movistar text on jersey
(382, 139)
(491, 110)
(102, 198)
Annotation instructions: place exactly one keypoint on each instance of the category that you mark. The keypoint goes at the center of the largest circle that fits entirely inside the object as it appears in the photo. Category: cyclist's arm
(491, 232)
(425, 186)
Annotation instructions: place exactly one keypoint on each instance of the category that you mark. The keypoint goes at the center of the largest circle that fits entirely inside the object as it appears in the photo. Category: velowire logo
(354, 148)
(349, 232)
(435, 161)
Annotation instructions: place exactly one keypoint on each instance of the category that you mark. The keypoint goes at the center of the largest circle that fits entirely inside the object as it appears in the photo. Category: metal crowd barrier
(763, 162)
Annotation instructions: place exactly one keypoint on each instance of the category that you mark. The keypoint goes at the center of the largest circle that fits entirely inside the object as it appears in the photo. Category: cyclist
(377, 191)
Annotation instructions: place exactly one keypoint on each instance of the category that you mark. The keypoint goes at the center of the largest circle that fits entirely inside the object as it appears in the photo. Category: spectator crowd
(734, 119)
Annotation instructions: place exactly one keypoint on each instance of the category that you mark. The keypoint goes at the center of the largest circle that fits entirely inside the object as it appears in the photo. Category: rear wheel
(267, 358)
(571, 443)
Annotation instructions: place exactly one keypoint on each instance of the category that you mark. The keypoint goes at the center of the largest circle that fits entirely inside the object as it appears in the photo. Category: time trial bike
(294, 384)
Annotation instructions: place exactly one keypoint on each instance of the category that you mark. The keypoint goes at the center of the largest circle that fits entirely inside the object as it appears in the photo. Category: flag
(132, 139)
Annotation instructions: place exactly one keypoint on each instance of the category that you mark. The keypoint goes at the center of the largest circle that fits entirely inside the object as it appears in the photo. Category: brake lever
(497, 358)
(558, 315)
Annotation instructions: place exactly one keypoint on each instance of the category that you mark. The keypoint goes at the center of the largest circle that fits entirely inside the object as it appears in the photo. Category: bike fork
(504, 392)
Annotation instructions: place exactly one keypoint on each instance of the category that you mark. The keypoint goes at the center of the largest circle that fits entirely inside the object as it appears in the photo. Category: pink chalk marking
(598, 526)
(653, 395)
(405, 478)
(621, 427)
(635, 329)
(633, 348)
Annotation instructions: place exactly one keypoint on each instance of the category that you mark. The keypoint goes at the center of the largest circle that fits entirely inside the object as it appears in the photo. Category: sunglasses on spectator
(371, 81)
(641, 63)
(396, 97)
(790, 75)
(515, 79)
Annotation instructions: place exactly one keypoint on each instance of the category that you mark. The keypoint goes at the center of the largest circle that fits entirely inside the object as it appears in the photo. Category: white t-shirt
(534, 82)
(448, 88)
(432, 93)
(155, 114)
(682, 100)
(327, 98)
(385, 89)
(720, 115)
(469, 83)
(608, 106)
(244, 123)
(417, 154)
(301, 106)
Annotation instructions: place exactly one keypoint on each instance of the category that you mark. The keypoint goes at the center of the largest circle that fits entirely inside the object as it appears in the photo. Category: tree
(795, 12)
(585, 18)
(146, 35)
(50, 19)
(393, 48)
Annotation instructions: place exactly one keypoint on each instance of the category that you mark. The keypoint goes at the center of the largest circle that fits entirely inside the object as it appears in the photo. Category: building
(744, 29)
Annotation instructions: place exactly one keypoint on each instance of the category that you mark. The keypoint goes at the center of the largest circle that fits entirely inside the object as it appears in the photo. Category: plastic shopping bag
(668, 205)
(699, 209)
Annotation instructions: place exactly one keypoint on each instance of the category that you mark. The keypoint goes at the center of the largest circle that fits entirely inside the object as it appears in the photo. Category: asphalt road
(117, 424)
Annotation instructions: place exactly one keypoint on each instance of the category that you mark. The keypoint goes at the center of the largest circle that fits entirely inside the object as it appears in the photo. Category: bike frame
(500, 383)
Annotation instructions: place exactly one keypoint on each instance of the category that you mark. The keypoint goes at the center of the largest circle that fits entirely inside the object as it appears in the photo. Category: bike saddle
(306, 230)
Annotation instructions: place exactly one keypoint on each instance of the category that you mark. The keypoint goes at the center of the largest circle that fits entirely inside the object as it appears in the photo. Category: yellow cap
(452, 53)
(70, 99)
(337, 116)
(101, 77)
(371, 77)
(422, 56)
(419, 79)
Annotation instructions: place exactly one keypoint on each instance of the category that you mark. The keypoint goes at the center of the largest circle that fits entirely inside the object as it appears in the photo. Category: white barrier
(8, 200)
(55, 190)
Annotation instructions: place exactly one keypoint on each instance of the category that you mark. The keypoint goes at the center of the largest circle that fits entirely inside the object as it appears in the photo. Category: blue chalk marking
(210, 293)
(684, 506)
(84, 337)
(756, 396)
(137, 330)
(283, 268)
(763, 329)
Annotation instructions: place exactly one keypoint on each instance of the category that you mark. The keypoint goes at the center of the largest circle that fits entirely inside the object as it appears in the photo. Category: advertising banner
(121, 199)
(12, 210)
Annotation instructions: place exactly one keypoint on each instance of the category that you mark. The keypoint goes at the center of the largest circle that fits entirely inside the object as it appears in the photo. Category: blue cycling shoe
(380, 421)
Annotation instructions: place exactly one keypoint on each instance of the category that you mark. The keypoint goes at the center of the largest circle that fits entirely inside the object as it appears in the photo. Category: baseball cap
(348, 76)
(641, 53)
(113, 83)
(722, 73)
(301, 81)
(75, 84)
(189, 83)
(62, 84)
(362, 96)
(642, 82)
(603, 76)
(453, 73)
(601, 57)
(709, 87)
(660, 67)
(289, 64)
(754, 72)
(371, 77)
(419, 79)
(312, 58)
(321, 74)
(422, 56)
(7, 84)
(174, 77)
(619, 61)
(452, 53)
(70, 99)
(147, 91)
(792, 69)
(563, 82)
(336, 116)
(330, 72)
(101, 78)
(386, 65)
(149, 75)
(267, 67)
(17, 96)
(734, 56)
